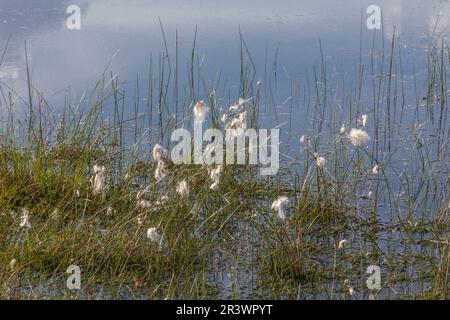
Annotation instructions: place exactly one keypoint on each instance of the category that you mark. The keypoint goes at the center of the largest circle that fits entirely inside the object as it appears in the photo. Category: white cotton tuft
(280, 206)
(376, 169)
(200, 111)
(159, 153)
(364, 119)
(302, 139)
(98, 180)
(237, 126)
(216, 173)
(12, 264)
(153, 235)
(183, 189)
(342, 244)
(214, 186)
(358, 137)
(319, 160)
(161, 171)
(25, 219)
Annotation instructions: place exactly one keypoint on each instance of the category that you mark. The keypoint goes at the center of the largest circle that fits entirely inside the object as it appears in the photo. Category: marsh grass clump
(95, 187)
(152, 225)
(62, 206)
(301, 247)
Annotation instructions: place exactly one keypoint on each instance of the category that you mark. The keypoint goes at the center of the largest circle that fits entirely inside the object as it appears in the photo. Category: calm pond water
(127, 32)
(291, 46)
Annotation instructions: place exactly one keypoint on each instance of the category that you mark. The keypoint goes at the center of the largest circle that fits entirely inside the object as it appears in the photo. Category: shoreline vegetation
(94, 187)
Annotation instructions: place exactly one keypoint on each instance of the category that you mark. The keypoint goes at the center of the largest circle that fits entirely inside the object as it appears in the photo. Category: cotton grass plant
(96, 187)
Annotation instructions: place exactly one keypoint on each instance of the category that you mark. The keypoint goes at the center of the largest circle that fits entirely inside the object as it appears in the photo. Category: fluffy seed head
(320, 161)
(376, 169)
(183, 189)
(302, 139)
(25, 219)
(200, 111)
(161, 171)
(216, 173)
(280, 206)
(214, 187)
(144, 204)
(98, 180)
(153, 235)
(347, 286)
(358, 137)
(364, 119)
(159, 152)
(238, 125)
(12, 264)
(342, 244)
